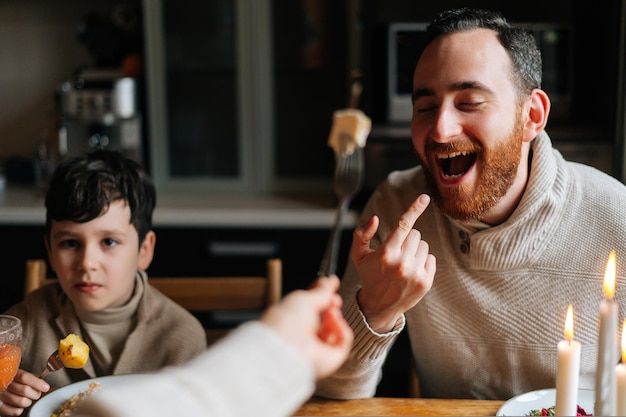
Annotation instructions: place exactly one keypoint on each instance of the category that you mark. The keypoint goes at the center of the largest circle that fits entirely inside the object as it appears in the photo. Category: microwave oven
(404, 43)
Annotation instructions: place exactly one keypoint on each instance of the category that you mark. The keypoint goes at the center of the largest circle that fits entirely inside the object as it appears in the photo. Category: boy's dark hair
(519, 43)
(82, 188)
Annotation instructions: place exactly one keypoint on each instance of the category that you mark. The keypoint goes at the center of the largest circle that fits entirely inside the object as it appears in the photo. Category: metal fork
(347, 182)
(54, 364)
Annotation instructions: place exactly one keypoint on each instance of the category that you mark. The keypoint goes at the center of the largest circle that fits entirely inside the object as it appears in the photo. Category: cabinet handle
(257, 249)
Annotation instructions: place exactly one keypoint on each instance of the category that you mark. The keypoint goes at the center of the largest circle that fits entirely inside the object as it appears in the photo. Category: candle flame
(624, 342)
(569, 323)
(609, 277)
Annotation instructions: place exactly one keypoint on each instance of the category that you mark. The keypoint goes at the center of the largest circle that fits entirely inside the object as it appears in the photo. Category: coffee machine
(100, 109)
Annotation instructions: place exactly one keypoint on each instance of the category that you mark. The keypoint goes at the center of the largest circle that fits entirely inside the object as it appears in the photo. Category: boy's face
(96, 262)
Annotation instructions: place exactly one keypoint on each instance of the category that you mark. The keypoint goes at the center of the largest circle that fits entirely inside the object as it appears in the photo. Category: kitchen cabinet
(240, 94)
(236, 251)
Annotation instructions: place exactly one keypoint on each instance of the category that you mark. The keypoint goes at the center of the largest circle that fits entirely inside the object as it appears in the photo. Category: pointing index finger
(408, 219)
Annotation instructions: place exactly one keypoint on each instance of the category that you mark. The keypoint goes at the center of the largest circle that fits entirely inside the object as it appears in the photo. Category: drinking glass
(10, 349)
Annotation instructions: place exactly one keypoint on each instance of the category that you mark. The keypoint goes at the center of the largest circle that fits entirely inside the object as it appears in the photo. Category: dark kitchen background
(223, 97)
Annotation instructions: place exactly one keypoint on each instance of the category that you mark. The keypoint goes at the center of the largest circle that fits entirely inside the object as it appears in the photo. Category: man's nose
(446, 124)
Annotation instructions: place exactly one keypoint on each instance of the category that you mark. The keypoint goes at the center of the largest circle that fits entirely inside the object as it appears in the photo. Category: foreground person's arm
(266, 368)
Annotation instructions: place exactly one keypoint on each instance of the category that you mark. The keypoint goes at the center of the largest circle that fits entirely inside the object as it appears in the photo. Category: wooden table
(380, 406)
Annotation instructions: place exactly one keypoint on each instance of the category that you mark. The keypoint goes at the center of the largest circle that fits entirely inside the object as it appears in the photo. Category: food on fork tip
(349, 131)
(73, 352)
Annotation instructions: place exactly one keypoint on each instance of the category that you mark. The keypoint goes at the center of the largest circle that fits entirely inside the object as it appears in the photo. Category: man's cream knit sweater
(490, 325)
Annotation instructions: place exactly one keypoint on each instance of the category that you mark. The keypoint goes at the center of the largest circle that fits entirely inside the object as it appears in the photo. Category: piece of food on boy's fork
(73, 352)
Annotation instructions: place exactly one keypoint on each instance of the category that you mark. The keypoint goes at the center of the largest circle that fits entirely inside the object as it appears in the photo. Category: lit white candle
(568, 370)
(620, 371)
(606, 400)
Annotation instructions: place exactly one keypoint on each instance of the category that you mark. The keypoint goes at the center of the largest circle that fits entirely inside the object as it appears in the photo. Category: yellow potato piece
(73, 352)
(349, 131)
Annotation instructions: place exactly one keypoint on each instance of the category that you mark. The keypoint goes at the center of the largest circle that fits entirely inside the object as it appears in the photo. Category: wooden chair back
(36, 275)
(218, 294)
(205, 294)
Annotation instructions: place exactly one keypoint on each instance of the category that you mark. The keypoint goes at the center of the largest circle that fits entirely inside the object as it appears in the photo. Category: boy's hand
(21, 393)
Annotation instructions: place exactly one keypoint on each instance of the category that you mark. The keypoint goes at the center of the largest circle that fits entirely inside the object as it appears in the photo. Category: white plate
(50, 402)
(543, 398)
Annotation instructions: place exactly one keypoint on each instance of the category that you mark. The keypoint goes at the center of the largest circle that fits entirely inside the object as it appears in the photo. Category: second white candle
(568, 370)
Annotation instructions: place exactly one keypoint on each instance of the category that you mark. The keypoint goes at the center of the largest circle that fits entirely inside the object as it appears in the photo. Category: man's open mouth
(455, 164)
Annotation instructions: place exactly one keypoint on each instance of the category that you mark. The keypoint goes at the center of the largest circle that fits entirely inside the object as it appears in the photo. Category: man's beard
(497, 169)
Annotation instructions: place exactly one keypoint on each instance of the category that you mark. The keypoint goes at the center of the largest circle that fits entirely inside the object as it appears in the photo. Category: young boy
(99, 241)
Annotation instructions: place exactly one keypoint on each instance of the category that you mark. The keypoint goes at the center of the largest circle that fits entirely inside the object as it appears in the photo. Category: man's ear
(146, 251)
(537, 111)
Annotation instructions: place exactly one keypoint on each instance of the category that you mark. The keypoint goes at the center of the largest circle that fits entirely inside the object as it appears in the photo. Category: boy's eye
(68, 243)
(109, 242)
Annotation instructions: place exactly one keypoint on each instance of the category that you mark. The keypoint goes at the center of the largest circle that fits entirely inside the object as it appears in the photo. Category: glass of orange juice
(10, 349)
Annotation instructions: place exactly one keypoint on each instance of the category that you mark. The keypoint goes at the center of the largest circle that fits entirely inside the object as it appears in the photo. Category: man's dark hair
(82, 188)
(519, 43)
